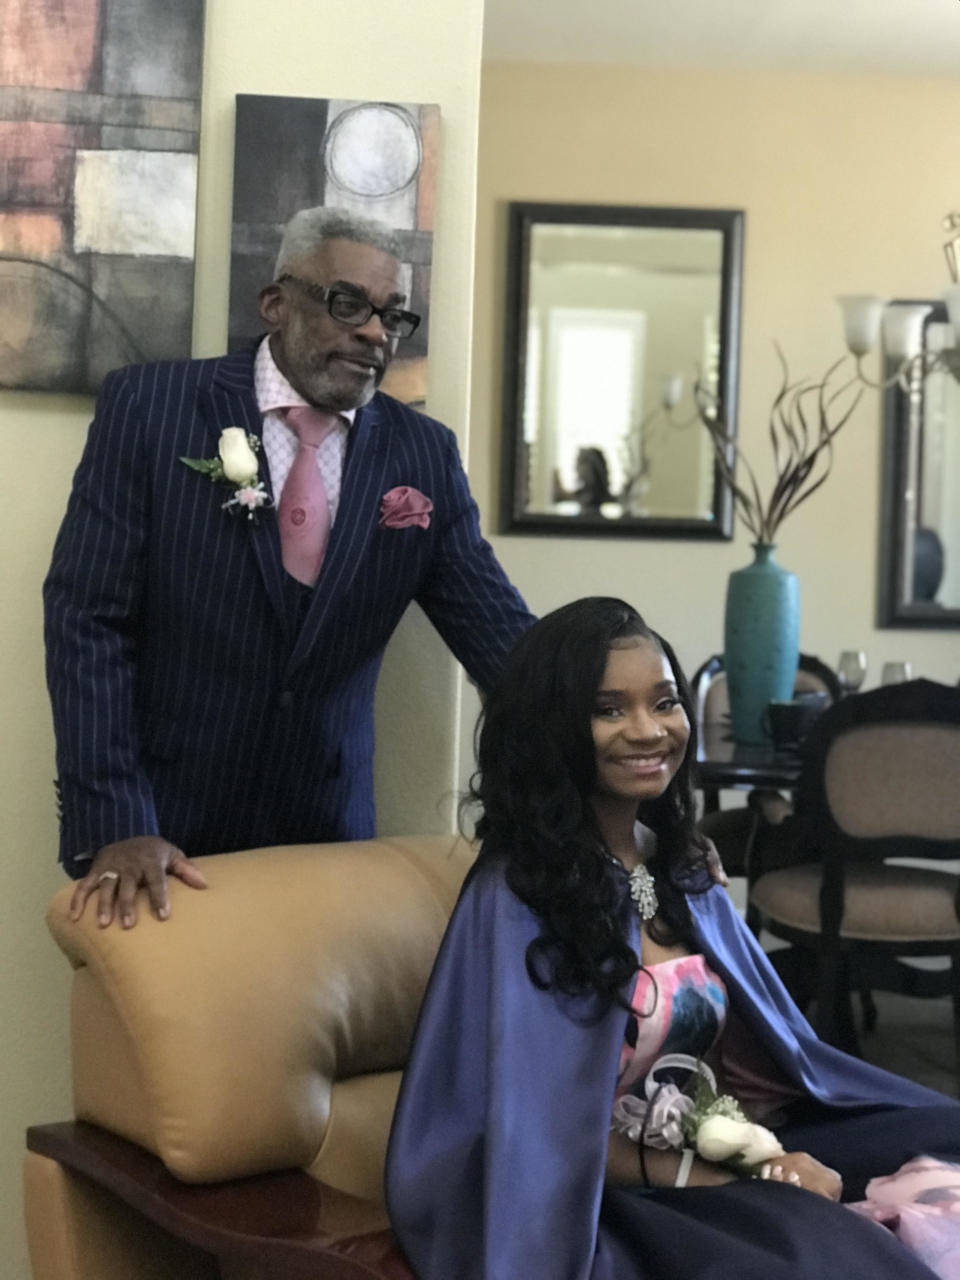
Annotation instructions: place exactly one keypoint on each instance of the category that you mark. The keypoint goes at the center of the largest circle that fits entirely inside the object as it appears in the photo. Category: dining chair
(879, 790)
(711, 698)
(736, 831)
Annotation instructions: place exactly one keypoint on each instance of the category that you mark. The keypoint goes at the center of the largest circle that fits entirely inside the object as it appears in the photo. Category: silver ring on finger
(108, 875)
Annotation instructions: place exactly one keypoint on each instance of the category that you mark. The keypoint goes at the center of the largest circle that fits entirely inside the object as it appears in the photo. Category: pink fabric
(303, 515)
(405, 506)
(920, 1204)
(680, 1007)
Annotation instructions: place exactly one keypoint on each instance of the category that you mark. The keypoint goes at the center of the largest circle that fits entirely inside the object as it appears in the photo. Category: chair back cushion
(715, 704)
(894, 779)
(264, 1025)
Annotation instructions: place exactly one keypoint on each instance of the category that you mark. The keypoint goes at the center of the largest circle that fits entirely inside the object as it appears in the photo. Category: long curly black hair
(535, 777)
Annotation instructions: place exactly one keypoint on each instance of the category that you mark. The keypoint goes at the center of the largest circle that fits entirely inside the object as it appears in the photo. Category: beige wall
(300, 48)
(844, 179)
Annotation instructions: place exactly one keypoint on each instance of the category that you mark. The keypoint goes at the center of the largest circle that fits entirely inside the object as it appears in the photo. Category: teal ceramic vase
(761, 641)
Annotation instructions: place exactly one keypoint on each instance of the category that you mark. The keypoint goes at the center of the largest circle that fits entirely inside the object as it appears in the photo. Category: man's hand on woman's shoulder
(714, 865)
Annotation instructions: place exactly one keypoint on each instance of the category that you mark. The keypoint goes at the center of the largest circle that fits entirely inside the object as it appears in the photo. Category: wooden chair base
(281, 1226)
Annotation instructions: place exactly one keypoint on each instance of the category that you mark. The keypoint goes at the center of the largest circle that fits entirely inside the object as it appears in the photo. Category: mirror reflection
(615, 313)
(920, 533)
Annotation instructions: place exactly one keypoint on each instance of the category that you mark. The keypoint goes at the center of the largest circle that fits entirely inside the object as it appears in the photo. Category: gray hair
(307, 230)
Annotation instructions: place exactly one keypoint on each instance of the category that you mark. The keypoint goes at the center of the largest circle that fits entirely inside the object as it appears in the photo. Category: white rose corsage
(236, 464)
(711, 1124)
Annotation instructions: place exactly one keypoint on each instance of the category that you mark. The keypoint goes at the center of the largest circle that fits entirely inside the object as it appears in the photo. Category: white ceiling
(883, 35)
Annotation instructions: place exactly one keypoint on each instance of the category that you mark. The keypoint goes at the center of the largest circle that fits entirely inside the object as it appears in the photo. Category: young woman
(589, 941)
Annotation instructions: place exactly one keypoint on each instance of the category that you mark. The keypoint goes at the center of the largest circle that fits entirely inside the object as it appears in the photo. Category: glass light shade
(672, 390)
(903, 330)
(861, 321)
(951, 297)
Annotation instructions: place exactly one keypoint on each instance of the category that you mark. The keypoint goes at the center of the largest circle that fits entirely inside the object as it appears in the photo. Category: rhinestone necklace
(643, 893)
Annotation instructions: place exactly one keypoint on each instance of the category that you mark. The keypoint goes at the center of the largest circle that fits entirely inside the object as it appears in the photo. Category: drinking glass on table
(895, 672)
(852, 669)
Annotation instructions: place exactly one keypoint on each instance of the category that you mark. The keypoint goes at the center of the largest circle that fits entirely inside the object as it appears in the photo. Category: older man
(243, 536)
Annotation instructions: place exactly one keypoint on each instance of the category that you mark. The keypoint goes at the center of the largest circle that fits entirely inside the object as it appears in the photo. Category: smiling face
(640, 729)
(334, 366)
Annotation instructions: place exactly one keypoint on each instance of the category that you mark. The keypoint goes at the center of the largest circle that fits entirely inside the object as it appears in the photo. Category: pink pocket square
(403, 507)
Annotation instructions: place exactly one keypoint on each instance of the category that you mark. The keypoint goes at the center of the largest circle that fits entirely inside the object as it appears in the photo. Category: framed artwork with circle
(377, 159)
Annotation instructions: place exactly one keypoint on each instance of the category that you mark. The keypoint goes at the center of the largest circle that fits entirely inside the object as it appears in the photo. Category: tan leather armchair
(235, 1068)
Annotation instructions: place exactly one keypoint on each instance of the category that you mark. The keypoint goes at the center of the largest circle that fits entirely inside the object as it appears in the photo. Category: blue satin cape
(495, 1169)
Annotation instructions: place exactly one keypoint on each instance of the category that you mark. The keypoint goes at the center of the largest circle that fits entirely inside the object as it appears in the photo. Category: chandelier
(865, 318)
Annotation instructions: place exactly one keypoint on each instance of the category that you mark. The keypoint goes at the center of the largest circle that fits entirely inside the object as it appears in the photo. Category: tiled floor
(914, 1038)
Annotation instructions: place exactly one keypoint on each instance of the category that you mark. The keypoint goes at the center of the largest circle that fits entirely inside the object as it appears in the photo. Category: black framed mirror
(614, 312)
(919, 561)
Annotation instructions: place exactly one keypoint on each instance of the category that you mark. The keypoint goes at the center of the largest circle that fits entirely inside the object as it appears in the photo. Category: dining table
(723, 764)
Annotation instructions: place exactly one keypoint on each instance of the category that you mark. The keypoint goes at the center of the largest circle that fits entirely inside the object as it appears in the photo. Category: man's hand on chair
(117, 872)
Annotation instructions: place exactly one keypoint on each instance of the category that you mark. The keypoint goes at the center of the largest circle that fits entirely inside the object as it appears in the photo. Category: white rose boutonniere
(237, 456)
(236, 464)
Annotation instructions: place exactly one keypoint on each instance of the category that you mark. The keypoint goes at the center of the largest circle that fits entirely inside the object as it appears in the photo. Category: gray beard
(321, 389)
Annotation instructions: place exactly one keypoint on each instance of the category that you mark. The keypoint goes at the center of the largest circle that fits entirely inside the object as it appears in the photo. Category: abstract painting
(99, 132)
(378, 159)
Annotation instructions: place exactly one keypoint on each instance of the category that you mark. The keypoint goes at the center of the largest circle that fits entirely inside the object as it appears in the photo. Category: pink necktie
(304, 513)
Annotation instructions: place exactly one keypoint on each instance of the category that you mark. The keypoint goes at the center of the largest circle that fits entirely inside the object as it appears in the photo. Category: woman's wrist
(628, 1166)
(705, 1174)
(683, 1169)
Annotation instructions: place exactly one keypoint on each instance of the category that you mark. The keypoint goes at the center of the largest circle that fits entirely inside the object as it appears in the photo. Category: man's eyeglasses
(354, 309)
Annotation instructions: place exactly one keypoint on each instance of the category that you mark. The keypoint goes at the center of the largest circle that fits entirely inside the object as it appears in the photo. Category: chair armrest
(287, 1225)
(215, 1039)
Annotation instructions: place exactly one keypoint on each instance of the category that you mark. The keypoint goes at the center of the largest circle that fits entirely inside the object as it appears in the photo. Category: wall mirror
(919, 562)
(612, 313)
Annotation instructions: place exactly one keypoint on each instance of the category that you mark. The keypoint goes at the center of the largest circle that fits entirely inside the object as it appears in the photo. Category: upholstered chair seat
(898, 904)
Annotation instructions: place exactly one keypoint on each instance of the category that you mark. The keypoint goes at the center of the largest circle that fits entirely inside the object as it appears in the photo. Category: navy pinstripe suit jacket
(189, 701)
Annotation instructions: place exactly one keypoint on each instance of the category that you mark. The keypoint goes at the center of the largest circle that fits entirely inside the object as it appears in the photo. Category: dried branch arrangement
(804, 420)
